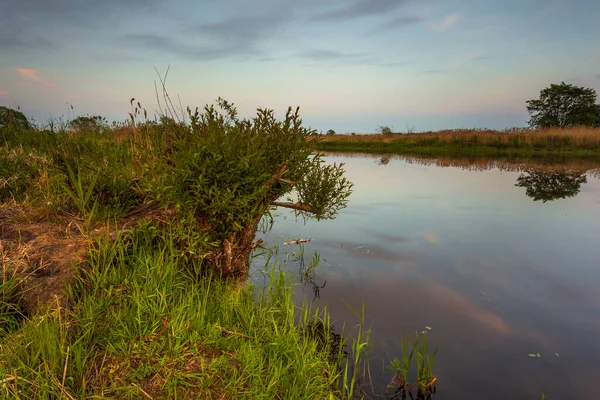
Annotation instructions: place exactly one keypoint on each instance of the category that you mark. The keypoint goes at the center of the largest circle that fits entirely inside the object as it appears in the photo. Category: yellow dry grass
(579, 136)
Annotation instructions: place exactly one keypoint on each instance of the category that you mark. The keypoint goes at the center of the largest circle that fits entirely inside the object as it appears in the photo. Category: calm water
(495, 274)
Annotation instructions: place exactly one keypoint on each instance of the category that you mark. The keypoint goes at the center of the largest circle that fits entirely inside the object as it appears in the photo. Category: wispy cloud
(398, 22)
(232, 36)
(168, 45)
(24, 23)
(552, 7)
(447, 22)
(33, 75)
(434, 71)
(244, 29)
(430, 237)
(359, 9)
(3, 93)
(343, 58)
(332, 55)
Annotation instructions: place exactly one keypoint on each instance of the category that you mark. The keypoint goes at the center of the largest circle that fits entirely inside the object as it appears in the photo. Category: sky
(350, 65)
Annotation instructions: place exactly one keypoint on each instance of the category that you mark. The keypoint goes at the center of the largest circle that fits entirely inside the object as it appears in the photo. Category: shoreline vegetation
(125, 253)
(135, 325)
(580, 142)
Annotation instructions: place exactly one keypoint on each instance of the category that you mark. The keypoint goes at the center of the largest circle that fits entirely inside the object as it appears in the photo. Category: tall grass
(34, 168)
(577, 136)
(9, 311)
(140, 326)
(577, 142)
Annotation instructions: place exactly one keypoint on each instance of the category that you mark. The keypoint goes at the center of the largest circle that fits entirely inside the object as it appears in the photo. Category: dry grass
(578, 136)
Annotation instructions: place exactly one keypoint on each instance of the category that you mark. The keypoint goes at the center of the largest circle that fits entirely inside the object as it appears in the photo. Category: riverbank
(565, 143)
(135, 323)
(116, 244)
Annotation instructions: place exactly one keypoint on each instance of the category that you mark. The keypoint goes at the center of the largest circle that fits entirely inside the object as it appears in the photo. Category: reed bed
(576, 136)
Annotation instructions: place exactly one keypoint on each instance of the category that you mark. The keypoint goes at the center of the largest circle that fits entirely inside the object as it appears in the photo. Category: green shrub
(14, 118)
(225, 173)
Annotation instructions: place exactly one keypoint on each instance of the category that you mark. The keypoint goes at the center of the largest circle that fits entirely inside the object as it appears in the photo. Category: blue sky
(351, 65)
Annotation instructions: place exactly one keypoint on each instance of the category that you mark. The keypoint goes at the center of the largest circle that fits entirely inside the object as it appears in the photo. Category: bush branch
(297, 206)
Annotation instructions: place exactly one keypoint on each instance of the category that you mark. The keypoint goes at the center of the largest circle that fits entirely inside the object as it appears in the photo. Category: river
(498, 261)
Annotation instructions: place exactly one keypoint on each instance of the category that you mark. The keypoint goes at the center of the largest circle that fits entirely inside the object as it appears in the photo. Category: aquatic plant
(425, 381)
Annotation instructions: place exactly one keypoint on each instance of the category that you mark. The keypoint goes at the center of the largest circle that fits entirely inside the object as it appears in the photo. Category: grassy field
(578, 142)
(104, 287)
(136, 325)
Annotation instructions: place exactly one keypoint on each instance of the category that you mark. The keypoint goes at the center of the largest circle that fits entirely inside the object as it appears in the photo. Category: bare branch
(282, 170)
(297, 206)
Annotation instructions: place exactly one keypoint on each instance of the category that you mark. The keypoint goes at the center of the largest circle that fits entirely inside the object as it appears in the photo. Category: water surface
(499, 259)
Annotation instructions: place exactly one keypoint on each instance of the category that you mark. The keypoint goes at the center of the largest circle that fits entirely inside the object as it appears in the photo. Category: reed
(580, 135)
(582, 142)
(417, 357)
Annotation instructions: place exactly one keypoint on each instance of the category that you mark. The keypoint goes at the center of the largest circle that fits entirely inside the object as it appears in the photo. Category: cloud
(32, 24)
(333, 55)
(398, 22)
(431, 237)
(447, 22)
(236, 35)
(244, 28)
(167, 45)
(598, 76)
(479, 58)
(552, 7)
(33, 75)
(206, 52)
(466, 308)
(3, 93)
(434, 71)
(359, 9)
(396, 64)
(342, 58)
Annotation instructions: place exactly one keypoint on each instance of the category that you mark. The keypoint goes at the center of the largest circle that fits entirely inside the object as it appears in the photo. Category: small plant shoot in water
(402, 386)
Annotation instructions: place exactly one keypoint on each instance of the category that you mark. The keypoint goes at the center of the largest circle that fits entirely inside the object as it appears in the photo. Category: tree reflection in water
(550, 185)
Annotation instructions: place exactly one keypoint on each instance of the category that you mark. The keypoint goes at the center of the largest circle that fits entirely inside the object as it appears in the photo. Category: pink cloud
(431, 237)
(458, 302)
(3, 93)
(447, 22)
(33, 75)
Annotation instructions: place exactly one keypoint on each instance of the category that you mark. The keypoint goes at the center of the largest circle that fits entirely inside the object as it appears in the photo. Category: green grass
(9, 311)
(139, 325)
(151, 314)
(416, 357)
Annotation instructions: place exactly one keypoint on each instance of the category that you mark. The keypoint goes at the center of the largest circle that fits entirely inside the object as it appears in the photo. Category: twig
(62, 389)
(62, 386)
(298, 241)
(13, 378)
(142, 390)
(287, 181)
(234, 333)
(297, 206)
